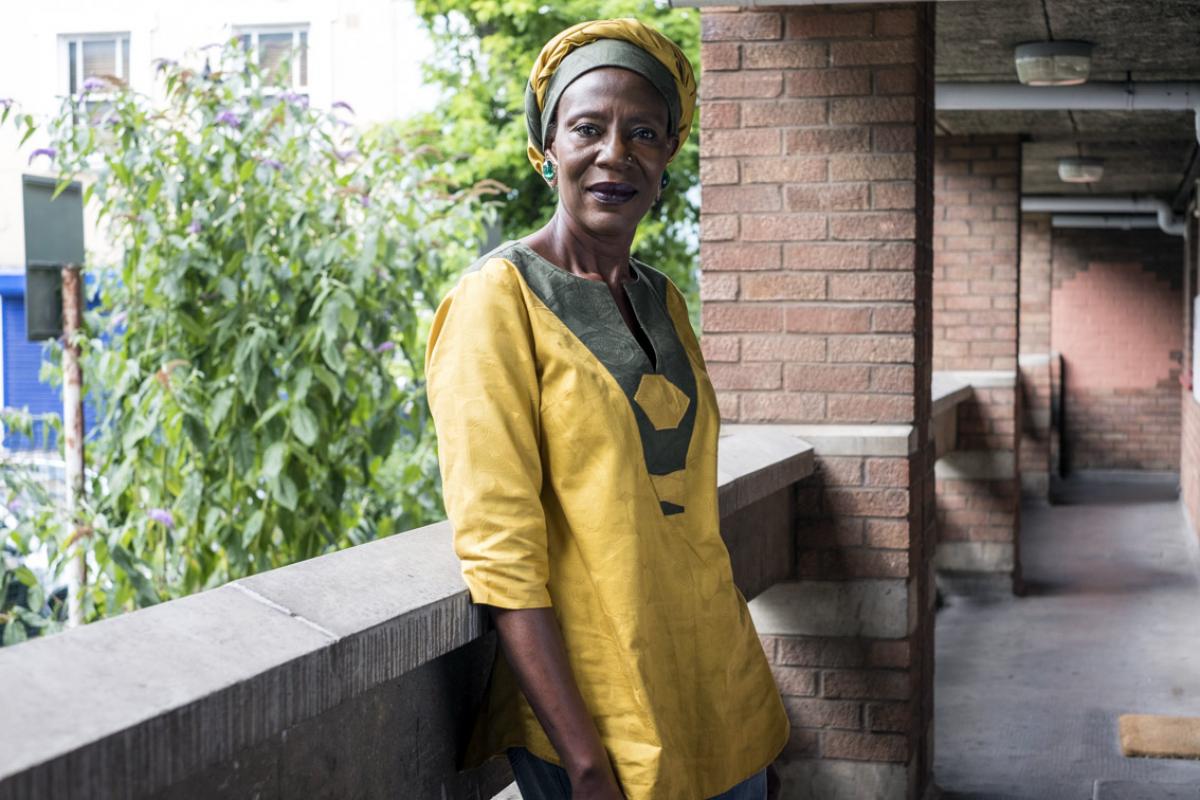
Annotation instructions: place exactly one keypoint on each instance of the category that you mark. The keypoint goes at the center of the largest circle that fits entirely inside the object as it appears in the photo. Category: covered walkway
(1028, 689)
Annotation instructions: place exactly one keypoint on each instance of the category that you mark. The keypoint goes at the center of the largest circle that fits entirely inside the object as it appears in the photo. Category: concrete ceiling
(1147, 40)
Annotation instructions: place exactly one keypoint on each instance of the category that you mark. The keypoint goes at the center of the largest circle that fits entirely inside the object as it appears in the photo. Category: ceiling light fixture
(1053, 63)
(1080, 169)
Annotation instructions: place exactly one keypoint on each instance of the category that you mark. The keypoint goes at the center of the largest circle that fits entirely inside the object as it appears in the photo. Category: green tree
(484, 51)
(257, 350)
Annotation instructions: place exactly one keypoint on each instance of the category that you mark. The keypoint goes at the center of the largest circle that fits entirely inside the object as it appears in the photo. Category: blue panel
(22, 365)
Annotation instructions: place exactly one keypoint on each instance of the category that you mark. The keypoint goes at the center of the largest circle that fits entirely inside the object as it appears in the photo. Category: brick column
(976, 251)
(816, 222)
(1037, 455)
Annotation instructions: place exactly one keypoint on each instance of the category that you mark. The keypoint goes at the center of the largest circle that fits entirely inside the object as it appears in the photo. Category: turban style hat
(624, 43)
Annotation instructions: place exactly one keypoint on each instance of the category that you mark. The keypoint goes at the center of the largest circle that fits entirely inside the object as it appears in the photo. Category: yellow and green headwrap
(624, 43)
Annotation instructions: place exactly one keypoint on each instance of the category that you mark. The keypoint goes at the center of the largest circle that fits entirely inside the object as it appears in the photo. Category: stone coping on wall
(195, 680)
(948, 390)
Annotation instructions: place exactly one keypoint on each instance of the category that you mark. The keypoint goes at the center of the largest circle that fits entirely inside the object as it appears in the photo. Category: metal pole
(72, 299)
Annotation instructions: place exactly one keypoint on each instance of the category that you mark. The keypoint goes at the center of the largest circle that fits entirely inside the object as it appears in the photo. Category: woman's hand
(533, 644)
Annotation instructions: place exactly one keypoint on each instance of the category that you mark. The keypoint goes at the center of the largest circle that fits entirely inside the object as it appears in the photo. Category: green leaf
(31, 619)
(246, 171)
(304, 425)
(286, 493)
(253, 526)
(219, 408)
(14, 633)
(273, 458)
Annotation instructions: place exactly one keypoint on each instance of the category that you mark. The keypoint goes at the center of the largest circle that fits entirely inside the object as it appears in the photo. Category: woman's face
(609, 149)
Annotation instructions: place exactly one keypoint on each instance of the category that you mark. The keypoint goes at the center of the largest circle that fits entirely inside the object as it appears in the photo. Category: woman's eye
(645, 133)
(586, 130)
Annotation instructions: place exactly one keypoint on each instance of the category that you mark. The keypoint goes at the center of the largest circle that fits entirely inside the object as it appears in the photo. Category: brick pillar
(816, 223)
(975, 299)
(1036, 457)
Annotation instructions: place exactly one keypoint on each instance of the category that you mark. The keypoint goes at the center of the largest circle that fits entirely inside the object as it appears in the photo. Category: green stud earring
(548, 170)
(666, 178)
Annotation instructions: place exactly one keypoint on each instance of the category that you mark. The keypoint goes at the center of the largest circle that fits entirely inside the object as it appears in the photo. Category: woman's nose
(615, 149)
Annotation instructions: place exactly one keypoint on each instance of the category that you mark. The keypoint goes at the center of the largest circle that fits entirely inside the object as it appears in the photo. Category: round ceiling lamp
(1053, 63)
(1080, 169)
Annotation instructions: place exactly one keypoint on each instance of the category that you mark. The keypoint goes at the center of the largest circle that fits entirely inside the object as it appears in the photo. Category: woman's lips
(612, 193)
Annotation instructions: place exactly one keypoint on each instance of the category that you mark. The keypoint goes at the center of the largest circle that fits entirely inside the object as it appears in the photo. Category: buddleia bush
(254, 349)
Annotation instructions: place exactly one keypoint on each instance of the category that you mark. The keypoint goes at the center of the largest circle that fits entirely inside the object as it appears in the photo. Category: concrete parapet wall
(352, 674)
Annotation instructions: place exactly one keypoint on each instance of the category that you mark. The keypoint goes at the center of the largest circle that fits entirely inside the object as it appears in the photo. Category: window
(274, 47)
(96, 55)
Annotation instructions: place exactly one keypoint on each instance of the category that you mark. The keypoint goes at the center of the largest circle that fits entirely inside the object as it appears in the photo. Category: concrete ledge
(982, 379)
(948, 390)
(843, 780)
(846, 440)
(976, 465)
(974, 557)
(1035, 359)
(876, 609)
(755, 463)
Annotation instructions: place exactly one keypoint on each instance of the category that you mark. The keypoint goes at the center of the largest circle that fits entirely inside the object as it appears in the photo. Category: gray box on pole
(53, 238)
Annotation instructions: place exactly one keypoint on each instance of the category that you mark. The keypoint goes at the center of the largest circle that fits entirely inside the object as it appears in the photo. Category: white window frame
(296, 30)
(122, 41)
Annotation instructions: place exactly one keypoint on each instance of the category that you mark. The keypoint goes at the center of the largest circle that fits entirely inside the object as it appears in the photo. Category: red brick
(873, 226)
(828, 140)
(802, 744)
(719, 318)
(788, 54)
(839, 471)
(894, 319)
(828, 319)
(783, 348)
(871, 167)
(728, 404)
(832, 533)
(735, 199)
(782, 227)
(746, 376)
(717, 171)
(758, 142)
(896, 22)
(739, 256)
(719, 348)
(718, 227)
(782, 407)
(784, 113)
(819, 652)
(872, 286)
(886, 533)
(827, 197)
(887, 472)
(828, 82)
(893, 379)
(889, 717)
(787, 286)
(806, 713)
(900, 51)
(867, 502)
(795, 681)
(893, 654)
(824, 378)
(868, 349)
(715, 27)
(894, 138)
(716, 56)
(846, 111)
(826, 256)
(901, 195)
(741, 84)
(864, 408)
(725, 114)
(864, 746)
(866, 684)
(718, 286)
(784, 170)
(827, 25)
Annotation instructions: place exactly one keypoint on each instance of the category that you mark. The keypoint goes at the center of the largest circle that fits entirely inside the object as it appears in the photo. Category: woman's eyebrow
(638, 117)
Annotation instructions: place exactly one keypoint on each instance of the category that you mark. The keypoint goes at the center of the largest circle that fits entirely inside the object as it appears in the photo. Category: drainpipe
(1167, 221)
(1099, 96)
(1123, 222)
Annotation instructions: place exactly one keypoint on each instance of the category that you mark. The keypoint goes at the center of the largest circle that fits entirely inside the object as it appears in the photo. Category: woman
(577, 432)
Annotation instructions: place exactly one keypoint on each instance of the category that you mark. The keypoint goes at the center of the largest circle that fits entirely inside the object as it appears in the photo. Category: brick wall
(816, 228)
(1036, 442)
(1117, 321)
(975, 329)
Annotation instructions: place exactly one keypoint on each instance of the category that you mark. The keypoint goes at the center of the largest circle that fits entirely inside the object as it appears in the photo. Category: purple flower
(295, 97)
(161, 64)
(385, 347)
(272, 163)
(15, 505)
(93, 85)
(162, 516)
(229, 118)
(342, 155)
(194, 226)
(49, 152)
(365, 200)
(6, 102)
(343, 104)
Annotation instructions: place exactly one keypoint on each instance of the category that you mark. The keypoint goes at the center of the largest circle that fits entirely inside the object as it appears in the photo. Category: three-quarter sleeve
(483, 393)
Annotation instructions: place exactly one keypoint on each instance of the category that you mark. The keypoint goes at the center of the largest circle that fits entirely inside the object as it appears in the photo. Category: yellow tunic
(579, 475)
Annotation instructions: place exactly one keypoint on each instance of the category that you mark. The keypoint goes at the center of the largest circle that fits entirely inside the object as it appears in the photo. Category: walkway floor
(1028, 690)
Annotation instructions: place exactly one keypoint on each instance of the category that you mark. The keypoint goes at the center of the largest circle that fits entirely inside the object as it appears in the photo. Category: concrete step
(1139, 790)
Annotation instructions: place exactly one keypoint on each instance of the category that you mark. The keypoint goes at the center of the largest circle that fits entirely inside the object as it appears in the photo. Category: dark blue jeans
(538, 779)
